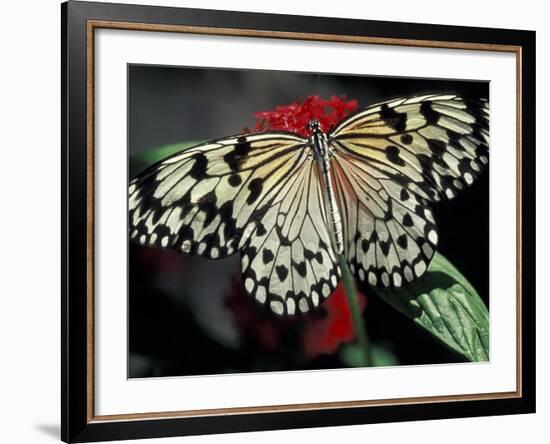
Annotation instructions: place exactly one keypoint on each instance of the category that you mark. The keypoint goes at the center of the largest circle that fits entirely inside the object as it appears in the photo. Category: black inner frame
(74, 424)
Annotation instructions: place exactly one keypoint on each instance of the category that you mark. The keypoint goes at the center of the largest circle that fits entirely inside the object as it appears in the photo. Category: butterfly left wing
(391, 160)
(257, 194)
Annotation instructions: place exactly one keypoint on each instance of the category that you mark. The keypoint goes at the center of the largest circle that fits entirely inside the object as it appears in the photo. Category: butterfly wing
(393, 159)
(240, 194)
(289, 263)
(389, 231)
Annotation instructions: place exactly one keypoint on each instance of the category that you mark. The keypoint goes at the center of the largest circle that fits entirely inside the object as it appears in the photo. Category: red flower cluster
(327, 334)
(296, 116)
(323, 331)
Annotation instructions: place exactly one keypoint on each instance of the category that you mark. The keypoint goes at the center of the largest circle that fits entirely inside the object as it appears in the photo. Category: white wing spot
(385, 279)
(333, 280)
(429, 216)
(304, 308)
(326, 290)
(202, 247)
(164, 241)
(468, 178)
(428, 251)
(249, 285)
(372, 279)
(290, 306)
(277, 307)
(396, 279)
(142, 239)
(214, 253)
(432, 237)
(409, 274)
(260, 295)
(361, 274)
(420, 268)
(315, 298)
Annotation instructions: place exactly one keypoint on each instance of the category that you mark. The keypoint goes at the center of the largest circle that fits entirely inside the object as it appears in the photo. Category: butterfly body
(323, 154)
(290, 205)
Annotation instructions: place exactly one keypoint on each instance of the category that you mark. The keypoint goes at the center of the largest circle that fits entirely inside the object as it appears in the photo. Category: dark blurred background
(189, 315)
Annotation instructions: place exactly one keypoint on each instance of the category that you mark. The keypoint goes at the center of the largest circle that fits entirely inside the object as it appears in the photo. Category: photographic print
(277, 222)
(286, 221)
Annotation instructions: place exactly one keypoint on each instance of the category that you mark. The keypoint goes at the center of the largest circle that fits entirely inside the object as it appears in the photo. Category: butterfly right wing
(204, 200)
(288, 263)
(391, 161)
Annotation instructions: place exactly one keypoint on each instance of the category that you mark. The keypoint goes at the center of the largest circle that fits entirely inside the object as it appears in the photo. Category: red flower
(296, 116)
(324, 336)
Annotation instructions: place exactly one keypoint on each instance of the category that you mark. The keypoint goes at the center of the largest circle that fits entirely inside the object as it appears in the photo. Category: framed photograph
(277, 221)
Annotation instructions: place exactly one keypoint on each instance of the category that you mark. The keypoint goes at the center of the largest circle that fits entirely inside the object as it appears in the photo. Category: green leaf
(148, 157)
(446, 305)
(162, 152)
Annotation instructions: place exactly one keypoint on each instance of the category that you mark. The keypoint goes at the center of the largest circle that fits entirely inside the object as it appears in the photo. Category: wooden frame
(79, 21)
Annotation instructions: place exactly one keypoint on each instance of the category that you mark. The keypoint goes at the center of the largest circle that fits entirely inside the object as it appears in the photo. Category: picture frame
(81, 22)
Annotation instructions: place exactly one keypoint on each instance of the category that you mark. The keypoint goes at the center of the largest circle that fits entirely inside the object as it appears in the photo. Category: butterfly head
(314, 126)
(318, 141)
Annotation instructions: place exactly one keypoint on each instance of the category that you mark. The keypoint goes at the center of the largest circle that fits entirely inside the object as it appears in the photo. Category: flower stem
(356, 316)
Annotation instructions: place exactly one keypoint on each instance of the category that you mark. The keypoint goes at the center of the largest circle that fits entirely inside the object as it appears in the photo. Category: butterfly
(290, 205)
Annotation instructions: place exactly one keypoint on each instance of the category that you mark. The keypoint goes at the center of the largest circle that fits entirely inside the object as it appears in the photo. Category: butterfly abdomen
(334, 216)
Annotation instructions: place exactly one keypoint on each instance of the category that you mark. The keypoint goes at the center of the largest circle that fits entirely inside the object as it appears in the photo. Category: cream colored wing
(257, 194)
(391, 161)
